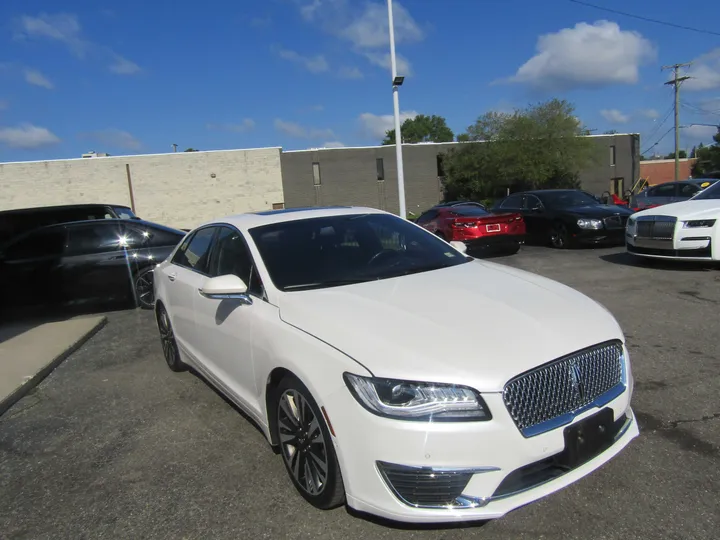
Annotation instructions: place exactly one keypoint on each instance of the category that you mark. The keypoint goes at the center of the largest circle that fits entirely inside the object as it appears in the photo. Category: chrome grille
(552, 394)
(615, 222)
(655, 227)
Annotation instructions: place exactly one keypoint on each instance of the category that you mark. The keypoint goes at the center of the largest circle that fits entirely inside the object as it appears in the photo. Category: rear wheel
(145, 288)
(167, 339)
(306, 446)
(512, 250)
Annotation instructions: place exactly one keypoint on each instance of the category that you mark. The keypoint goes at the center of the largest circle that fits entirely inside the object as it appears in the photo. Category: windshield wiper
(321, 284)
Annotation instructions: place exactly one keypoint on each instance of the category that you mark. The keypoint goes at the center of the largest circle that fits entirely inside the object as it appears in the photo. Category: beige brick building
(178, 189)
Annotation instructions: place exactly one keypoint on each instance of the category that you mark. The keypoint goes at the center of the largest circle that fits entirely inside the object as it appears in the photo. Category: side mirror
(460, 246)
(227, 287)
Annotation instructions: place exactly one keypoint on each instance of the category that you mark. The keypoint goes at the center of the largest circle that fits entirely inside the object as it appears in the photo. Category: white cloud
(27, 136)
(365, 26)
(383, 60)
(376, 126)
(350, 73)
(114, 138)
(65, 28)
(705, 72)
(248, 124)
(587, 55)
(371, 30)
(699, 133)
(614, 116)
(333, 144)
(123, 66)
(300, 132)
(34, 77)
(650, 114)
(314, 64)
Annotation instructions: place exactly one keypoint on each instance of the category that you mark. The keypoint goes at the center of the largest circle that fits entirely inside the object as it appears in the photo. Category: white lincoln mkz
(394, 372)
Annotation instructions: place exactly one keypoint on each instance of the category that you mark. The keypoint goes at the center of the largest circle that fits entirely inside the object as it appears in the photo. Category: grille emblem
(576, 380)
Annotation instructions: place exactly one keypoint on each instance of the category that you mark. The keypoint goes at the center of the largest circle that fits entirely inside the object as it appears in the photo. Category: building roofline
(126, 156)
(666, 160)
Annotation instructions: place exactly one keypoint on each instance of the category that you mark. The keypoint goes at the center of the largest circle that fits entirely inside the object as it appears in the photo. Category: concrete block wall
(180, 189)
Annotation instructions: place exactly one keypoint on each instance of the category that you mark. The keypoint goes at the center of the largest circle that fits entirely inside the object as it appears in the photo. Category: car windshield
(351, 248)
(712, 192)
(469, 211)
(563, 199)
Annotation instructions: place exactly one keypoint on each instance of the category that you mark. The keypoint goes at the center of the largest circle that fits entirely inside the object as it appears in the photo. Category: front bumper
(493, 450)
(687, 245)
(599, 236)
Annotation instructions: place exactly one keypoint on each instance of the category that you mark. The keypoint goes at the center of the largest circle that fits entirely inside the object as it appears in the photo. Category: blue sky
(135, 76)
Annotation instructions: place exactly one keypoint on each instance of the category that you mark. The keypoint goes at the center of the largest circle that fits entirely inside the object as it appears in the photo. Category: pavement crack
(696, 296)
(676, 423)
(683, 438)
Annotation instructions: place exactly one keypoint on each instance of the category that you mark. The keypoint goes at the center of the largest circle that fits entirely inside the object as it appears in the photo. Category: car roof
(61, 207)
(115, 221)
(251, 220)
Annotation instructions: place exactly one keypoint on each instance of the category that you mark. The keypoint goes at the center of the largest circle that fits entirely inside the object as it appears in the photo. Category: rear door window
(41, 243)
(513, 202)
(95, 238)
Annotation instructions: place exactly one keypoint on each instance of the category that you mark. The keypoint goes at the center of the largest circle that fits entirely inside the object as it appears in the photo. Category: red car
(476, 226)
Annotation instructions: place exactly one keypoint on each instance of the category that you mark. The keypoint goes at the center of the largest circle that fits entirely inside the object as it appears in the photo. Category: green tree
(611, 132)
(539, 146)
(708, 158)
(682, 154)
(422, 129)
(191, 150)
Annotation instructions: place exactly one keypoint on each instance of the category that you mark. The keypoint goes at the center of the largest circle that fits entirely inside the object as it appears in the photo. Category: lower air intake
(425, 487)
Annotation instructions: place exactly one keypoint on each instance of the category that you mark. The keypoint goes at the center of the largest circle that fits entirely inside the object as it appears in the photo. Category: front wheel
(167, 339)
(306, 446)
(559, 236)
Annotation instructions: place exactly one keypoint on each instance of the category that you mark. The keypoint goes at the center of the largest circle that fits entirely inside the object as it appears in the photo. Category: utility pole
(676, 81)
(396, 82)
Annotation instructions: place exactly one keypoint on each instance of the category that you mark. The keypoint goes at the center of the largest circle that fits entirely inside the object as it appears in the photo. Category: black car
(21, 220)
(85, 262)
(567, 217)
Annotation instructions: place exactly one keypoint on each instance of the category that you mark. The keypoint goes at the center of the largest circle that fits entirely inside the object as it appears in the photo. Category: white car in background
(394, 373)
(688, 230)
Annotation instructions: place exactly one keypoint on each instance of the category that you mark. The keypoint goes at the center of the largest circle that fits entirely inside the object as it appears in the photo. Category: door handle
(172, 276)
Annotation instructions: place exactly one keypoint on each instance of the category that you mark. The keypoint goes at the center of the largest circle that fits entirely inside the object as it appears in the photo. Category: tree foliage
(682, 154)
(539, 146)
(422, 129)
(708, 159)
(191, 150)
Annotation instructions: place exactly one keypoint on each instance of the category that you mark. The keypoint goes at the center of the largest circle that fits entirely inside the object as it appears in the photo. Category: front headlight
(590, 223)
(698, 223)
(410, 400)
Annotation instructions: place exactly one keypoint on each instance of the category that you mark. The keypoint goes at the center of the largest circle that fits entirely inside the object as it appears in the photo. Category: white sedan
(394, 373)
(688, 230)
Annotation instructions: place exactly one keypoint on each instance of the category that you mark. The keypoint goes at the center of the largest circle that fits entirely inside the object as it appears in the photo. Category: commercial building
(183, 189)
(659, 171)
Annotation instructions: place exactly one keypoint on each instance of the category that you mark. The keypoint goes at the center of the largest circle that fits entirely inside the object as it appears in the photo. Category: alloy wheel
(167, 339)
(302, 442)
(145, 289)
(558, 236)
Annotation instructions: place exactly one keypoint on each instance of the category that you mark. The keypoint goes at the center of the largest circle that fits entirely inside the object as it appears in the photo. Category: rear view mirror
(227, 287)
(460, 246)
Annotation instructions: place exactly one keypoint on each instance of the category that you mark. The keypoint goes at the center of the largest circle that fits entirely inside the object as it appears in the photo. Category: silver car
(670, 192)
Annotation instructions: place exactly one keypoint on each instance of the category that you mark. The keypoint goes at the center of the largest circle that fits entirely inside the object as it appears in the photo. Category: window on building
(278, 206)
(612, 155)
(316, 173)
(380, 168)
(440, 168)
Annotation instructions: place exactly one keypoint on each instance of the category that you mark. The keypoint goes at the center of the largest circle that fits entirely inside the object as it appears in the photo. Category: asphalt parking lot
(114, 445)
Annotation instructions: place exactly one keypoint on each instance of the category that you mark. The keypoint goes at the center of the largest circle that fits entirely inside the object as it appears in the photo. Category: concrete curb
(31, 383)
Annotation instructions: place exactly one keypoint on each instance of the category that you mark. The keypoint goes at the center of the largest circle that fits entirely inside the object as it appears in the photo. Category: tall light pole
(396, 82)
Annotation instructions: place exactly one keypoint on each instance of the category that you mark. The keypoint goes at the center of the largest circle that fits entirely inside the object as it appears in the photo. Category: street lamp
(396, 83)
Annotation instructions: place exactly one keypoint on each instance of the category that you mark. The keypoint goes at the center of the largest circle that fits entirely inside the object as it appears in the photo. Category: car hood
(478, 323)
(691, 209)
(598, 210)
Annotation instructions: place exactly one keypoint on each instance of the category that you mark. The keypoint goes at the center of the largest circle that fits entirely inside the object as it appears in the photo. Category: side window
(426, 217)
(513, 202)
(46, 243)
(195, 251)
(530, 202)
(665, 190)
(388, 238)
(232, 256)
(96, 238)
(688, 190)
(140, 236)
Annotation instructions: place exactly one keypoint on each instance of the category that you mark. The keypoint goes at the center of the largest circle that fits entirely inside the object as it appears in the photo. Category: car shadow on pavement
(626, 259)
(403, 526)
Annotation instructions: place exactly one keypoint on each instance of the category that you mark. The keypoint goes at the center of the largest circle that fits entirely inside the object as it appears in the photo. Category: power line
(647, 19)
(658, 141)
(662, 122)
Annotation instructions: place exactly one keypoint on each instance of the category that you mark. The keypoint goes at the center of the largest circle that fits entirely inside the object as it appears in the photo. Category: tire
(143, 288)
(306, 446)
(559, 236)
(167, 339)
(513, 250)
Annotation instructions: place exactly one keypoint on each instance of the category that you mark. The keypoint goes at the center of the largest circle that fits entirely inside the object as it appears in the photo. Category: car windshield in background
(564, 199)
(469, 211)
(341, 250)
(712, 192)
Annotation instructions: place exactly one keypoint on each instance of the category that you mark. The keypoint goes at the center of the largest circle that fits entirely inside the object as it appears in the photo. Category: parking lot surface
(114, 445)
